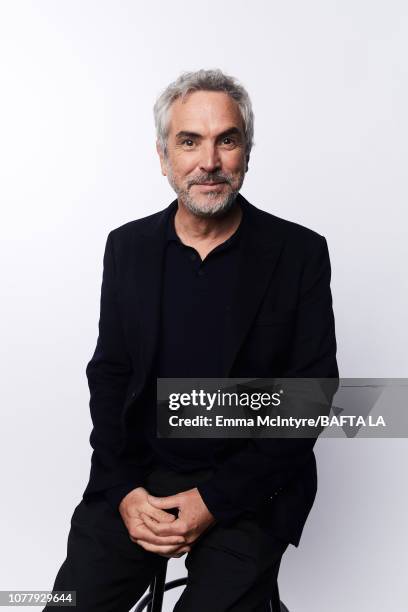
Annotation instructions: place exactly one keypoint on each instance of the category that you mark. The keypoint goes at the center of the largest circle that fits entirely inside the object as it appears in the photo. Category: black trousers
(229, 568)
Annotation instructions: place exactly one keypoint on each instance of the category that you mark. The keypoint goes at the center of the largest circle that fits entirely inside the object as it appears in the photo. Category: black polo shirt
(195, 297)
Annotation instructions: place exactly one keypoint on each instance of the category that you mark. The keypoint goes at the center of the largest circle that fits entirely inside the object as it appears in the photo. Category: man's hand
(134, 508)
(193, 517)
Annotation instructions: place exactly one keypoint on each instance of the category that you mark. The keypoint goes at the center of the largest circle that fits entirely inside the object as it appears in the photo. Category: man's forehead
(203, 108)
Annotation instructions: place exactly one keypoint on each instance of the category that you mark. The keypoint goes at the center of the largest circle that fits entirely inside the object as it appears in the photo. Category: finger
(182, 551)
(176, 554)
(144, 533)
(177, 528)
(171, 501)
(156, 541)
(161, 550)
(159, 515)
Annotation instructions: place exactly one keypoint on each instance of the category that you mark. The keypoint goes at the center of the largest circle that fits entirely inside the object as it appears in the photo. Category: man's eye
(227, 140)
(187, 141)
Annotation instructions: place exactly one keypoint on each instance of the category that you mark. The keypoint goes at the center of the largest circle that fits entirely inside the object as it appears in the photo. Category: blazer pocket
(275, 317)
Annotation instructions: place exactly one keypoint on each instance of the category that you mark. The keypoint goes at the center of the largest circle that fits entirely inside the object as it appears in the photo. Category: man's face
(206, 144)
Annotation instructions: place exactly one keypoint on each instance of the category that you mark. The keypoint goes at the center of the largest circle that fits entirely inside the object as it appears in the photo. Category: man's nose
(210, 159)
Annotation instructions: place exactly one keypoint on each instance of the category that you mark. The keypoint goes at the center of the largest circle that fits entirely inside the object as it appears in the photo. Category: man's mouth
(211, 183)
(207, 186)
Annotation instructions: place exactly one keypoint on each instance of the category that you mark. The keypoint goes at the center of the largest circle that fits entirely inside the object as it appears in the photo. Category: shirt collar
(171, 233)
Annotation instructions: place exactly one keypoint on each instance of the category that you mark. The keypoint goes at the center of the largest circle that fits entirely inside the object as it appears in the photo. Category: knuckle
(168, 549)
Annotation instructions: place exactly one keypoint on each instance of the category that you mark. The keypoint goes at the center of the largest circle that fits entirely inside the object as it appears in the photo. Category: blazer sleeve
(109, 372)
(265, 466)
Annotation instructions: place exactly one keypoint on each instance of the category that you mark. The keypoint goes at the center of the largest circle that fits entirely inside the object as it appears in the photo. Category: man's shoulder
(139, 226)
(291, 232)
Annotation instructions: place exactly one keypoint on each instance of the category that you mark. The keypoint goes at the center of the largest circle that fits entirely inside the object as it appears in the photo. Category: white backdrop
(78, 79)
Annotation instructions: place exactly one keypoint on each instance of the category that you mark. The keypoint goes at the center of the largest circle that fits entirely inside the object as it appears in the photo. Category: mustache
(205, 178)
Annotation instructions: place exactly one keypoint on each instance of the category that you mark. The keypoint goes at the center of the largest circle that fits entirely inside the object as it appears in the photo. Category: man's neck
(204, 234)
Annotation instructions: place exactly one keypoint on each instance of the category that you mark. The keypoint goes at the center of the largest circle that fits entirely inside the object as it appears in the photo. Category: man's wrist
(115, 495)
(217, 504)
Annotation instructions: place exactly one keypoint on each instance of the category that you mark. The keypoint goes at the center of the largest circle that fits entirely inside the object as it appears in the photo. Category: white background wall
(78, 80)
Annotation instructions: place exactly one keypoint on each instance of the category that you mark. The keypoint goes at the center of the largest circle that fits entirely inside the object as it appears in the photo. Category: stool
(153, 601)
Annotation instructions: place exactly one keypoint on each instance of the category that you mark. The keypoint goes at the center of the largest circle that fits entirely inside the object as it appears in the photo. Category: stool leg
(151, 590)
(157, 589)
(275, 599)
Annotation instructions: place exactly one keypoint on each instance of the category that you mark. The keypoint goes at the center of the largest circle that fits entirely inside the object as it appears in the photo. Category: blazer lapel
(149, 281)
(259, 254)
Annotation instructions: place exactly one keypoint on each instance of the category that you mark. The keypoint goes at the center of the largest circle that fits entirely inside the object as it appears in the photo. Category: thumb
(171, 501)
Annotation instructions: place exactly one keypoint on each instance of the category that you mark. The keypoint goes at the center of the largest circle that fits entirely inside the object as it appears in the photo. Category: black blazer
(281, 324)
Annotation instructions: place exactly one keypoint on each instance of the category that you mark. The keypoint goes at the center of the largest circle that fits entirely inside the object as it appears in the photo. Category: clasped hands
(158, 531)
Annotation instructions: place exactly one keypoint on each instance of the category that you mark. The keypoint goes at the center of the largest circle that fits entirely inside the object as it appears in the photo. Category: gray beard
(205, 211)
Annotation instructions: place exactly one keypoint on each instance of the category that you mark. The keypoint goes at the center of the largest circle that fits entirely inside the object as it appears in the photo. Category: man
(211, 286)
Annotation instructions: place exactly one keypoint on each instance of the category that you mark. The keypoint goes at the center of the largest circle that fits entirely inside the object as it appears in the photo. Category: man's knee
(103, 566)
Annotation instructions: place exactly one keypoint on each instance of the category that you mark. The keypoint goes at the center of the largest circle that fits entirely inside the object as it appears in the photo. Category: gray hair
(202, 80)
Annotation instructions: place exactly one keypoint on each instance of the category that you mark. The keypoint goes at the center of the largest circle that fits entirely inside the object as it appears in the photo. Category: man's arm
(109, 372)
(265, 466)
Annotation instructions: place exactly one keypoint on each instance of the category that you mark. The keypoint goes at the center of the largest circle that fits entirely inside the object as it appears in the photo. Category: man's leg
(107, 570)
(232, 568)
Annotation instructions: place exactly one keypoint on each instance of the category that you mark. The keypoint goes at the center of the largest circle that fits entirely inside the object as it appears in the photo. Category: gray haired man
(209, 287)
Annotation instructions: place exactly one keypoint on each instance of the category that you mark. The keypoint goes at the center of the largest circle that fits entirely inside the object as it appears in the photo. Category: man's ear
(162, 157)
(247, 163)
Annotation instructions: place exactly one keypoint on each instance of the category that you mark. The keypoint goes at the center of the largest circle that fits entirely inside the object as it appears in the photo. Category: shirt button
(200, 272)
(193, 256)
